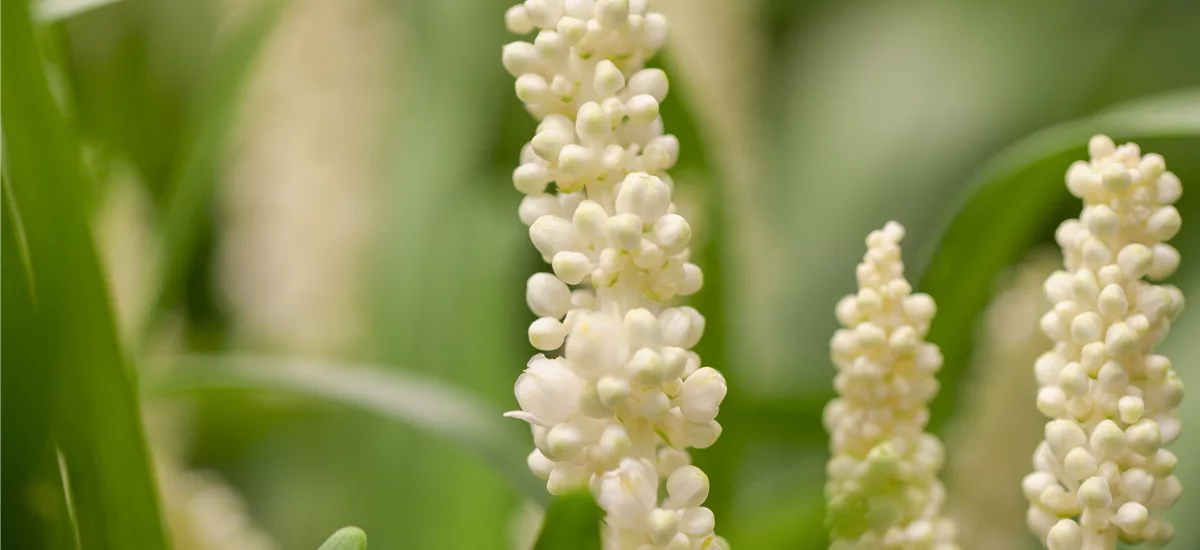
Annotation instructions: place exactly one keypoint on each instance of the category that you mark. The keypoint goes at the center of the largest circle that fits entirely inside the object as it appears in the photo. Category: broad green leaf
(1015, 200)
(434, 407)
(49, 11)
(346, 538)
(190, 191)
(572, 523)
(94, 409)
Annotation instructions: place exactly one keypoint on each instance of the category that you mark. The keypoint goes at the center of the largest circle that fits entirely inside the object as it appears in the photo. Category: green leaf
(346, 538)
(191, 188)
(437, 408)
(33, 497)
(93, 410)
(1013, 202)
(572, 523)
(49, 11)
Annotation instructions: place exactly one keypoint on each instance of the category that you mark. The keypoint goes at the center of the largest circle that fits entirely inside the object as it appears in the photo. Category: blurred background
(317, 185)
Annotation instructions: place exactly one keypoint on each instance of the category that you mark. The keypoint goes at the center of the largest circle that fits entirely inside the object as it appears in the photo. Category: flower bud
(571, 266)
(612, 13)
(681, 326)
(625, 231)
(646, 367)
(649, 81)
(1107, 439)
(547, 296)
(539, 464)
(520, 58)
(1164, 223)
(592, 123)
(693, 279)
(517, 21)
(1166, 261)
(576, 160)
(571, 29)
(608, 79)
(672, 233)
(1095, 493)
(547, 333)
(697, 522)
(615, 442)
(642, 109)
(687, 487)
(644, 196)
(1064, 435)
(1086, 328)
(663, 525)
(1131, 517)
(613, 391)
(701, 396)
(535, 207)
(1135, 260)
(1065, 535)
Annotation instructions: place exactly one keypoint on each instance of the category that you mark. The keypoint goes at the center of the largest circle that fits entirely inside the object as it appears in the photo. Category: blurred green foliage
(863, 111)
(95, 422)
(572, 522)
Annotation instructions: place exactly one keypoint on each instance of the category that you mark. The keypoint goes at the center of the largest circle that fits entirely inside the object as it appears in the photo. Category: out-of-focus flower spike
(883, 491)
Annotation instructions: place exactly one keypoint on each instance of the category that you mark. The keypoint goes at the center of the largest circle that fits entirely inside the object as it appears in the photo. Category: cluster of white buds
(883, 490)
(1102, 466)
(617, 407)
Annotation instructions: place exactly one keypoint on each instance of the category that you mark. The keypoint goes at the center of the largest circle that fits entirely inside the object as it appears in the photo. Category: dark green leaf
(572, 523)
(33, 497)
(437, 408)
(346, 538)
(95, 412)
(1015, 200)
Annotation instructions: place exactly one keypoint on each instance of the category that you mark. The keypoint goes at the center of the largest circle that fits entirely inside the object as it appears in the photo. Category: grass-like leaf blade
(434, 407)
(94, 407)
(30, 465)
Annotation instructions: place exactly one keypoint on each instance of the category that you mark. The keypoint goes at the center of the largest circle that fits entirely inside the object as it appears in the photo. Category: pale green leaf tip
(49, 11)
(346, 538)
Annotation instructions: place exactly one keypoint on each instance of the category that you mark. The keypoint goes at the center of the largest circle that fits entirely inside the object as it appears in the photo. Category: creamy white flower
(883, 489)
(1102, 466)
(629, 496)
(627, 397)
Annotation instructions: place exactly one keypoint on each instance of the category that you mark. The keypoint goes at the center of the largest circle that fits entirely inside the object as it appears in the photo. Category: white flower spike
(1103, 466)
(625, 397)
(883, 489)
